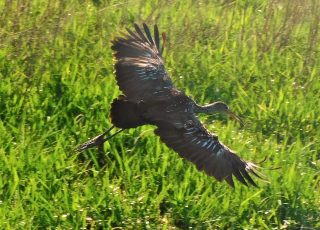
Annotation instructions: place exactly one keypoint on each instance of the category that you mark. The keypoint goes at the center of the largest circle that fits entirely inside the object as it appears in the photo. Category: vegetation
(57, 82)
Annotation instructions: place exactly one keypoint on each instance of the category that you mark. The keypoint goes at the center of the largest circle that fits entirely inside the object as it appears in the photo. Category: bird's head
(221, 107)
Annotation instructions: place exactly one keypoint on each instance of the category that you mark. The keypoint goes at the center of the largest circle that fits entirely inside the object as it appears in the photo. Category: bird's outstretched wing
(193, 142)
(139, 67)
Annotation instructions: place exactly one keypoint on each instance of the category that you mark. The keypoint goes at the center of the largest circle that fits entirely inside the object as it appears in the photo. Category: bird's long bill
(231, 114)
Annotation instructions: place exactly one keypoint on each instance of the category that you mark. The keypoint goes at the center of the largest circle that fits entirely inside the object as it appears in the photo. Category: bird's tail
(125, 114)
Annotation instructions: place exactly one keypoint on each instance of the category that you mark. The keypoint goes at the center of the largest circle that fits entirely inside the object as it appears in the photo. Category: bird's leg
(98, 141)
(101, 154)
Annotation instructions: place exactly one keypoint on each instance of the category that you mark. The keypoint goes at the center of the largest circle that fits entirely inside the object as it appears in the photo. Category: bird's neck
(208, 109)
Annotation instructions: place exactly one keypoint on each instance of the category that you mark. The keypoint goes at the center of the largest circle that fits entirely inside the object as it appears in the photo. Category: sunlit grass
(57, 84)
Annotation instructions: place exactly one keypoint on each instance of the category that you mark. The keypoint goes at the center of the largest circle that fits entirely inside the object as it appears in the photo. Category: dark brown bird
(151, 98)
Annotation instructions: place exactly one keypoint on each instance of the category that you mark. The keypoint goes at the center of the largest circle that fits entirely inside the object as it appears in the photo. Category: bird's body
(151, 98)
(134, 114)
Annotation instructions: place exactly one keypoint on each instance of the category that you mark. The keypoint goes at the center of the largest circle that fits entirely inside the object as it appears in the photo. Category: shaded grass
(57, 83)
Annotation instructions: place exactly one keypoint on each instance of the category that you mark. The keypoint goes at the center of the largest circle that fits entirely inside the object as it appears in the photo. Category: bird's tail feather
(125, 114)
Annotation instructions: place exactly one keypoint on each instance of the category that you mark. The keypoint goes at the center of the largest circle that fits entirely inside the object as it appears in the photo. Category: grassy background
(57, 82)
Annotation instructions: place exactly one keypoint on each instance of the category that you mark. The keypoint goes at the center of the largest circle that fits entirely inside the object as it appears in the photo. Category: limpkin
(149, 97)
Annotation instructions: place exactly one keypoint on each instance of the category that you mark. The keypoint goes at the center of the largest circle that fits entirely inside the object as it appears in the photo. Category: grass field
(261, 57)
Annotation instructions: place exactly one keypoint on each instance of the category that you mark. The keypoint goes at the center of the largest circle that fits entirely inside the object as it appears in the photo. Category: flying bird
(150, 97)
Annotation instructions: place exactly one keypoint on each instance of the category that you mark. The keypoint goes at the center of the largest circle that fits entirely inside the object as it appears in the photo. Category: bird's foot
(97, 141)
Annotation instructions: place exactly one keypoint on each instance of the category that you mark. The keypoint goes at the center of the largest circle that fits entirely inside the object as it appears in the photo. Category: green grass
(57, 82)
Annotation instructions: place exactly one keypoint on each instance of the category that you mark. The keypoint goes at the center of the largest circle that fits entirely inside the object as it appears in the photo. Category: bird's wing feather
(192, 141)
(139, 67)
